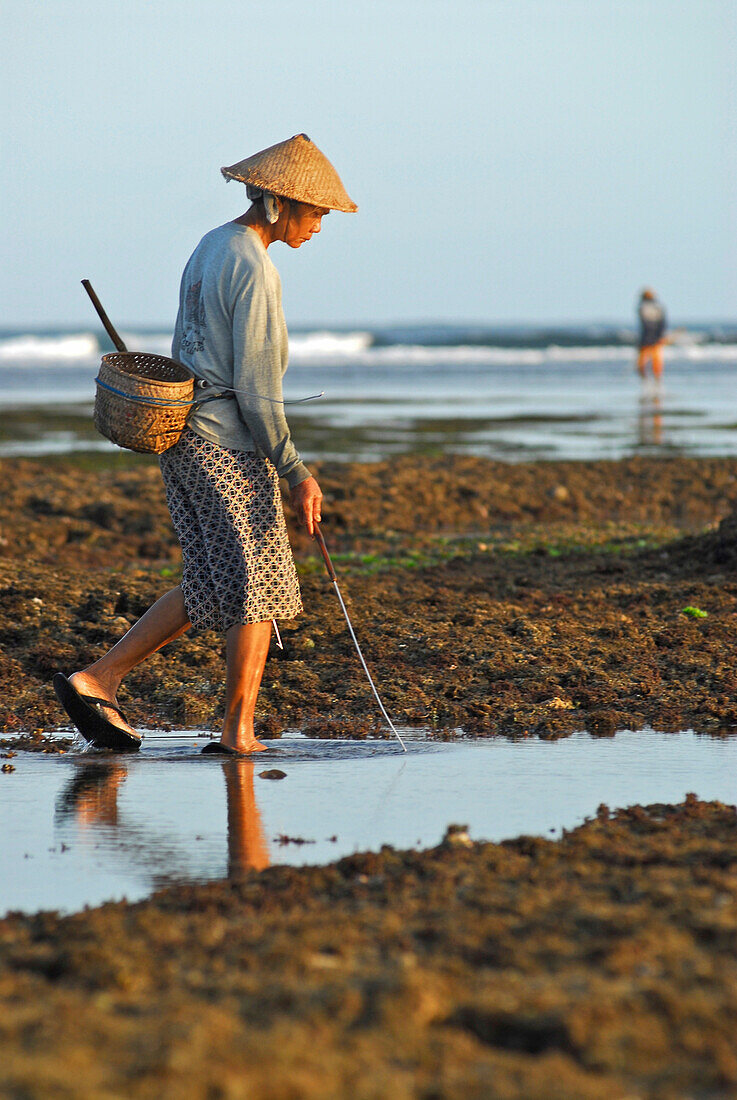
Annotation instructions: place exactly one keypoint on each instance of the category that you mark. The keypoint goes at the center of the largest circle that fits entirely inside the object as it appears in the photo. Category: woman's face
(303, 221)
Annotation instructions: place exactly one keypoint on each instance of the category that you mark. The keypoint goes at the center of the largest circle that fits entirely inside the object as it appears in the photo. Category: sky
(514, 161)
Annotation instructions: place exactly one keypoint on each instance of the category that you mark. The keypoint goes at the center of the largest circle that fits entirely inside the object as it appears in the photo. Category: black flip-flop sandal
(86, 713)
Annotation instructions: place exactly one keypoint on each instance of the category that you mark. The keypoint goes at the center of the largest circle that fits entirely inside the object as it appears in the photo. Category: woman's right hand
(306, 500)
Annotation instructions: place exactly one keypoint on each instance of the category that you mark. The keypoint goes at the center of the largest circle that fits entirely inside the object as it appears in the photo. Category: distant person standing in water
(652, 334)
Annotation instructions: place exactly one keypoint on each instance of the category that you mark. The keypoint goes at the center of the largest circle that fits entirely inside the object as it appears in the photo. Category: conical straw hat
(294, 169)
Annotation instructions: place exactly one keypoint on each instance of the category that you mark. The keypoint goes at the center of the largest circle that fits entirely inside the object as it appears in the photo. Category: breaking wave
(420, 345)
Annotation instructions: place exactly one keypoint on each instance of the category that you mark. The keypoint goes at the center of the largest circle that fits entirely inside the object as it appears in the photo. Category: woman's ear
(281, 205)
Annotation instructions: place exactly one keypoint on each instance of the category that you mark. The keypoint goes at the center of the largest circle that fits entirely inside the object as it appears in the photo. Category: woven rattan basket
(142, 401)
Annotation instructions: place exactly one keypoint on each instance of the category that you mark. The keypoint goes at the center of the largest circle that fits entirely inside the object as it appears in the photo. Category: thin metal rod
(365, 669)
(279, 642)
(334, 579)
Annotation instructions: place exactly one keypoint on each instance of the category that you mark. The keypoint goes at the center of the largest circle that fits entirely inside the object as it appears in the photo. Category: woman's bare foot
(251, 744)
(86, 684)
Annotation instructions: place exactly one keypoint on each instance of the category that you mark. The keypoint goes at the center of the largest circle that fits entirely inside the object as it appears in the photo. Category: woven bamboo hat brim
(294, 169)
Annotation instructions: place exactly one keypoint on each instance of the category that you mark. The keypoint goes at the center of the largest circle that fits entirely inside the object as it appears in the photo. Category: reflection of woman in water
(652, 334)
(222, 476)
(92, 794)
(247, 847)
(92, 798)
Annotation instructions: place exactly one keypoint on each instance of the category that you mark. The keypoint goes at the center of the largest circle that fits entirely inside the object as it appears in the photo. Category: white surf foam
(77, 348)
(317, 345)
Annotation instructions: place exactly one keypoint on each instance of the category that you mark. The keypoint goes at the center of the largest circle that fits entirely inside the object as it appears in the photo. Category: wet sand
(530, 599)
(598, 966)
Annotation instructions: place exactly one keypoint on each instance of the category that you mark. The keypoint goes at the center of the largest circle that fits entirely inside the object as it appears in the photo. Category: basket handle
(109, 327)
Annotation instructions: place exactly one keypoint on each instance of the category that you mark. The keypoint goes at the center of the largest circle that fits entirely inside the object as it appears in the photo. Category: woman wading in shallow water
(222, 476)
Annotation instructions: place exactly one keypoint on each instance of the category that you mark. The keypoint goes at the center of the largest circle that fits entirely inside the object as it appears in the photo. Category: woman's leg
(247, 647)
(162, 623)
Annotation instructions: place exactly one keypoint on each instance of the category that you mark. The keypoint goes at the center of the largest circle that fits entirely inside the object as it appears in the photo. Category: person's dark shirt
(652, 323)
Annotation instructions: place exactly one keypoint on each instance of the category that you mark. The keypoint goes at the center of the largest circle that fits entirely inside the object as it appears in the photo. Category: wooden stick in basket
(109, 327)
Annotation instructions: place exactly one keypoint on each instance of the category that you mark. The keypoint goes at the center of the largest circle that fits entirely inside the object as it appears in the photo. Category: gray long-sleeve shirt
(230, 330)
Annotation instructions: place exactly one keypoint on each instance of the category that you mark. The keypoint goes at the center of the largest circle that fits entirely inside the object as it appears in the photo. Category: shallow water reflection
(650, 434)
(247, 847)
(83, 828)
(88, 803)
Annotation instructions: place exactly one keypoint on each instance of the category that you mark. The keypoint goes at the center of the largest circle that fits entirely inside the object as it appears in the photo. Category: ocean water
(509, 393)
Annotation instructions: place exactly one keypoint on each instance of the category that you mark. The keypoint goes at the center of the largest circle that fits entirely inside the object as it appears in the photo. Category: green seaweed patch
(694, 613)
(378, 563)
(440, 549)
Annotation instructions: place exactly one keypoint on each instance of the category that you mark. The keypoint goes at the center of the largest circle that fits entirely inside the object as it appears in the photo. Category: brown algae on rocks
(484, 599)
